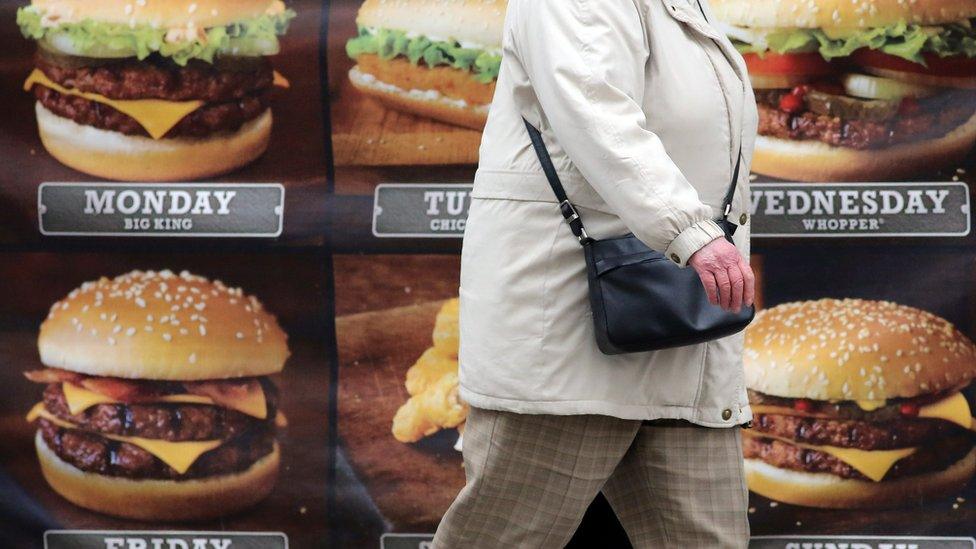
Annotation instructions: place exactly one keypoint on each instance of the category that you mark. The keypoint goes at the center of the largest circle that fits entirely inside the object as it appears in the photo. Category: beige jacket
(642, 105)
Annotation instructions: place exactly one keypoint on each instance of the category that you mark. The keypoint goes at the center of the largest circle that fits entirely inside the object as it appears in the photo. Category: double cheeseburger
(857, 404)
(157, 403)
(435, 58)
(154, 89)
(858, 89)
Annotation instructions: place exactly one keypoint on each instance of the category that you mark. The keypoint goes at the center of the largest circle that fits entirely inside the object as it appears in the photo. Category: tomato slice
(957, 65)
(811, 63)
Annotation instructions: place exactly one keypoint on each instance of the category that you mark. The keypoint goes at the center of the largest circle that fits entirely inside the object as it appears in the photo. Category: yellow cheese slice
(280, 80)
(873, 464)
(80, 399)
(953, 408)
(870, 405)
(157, 116)
(178, 455)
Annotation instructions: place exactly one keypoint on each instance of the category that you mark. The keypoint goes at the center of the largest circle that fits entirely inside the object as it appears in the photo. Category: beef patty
(157, 78)
(862, 435)
(209, 119)
(166, 421)
(781, 454)
(937, 118)
(96, 454)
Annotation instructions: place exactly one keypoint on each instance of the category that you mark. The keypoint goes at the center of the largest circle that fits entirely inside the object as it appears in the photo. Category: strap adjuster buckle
(569, 212)
(573, 220)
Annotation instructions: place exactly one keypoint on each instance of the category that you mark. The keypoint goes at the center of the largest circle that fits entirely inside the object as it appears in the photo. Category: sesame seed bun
(160, 13)
(833, 492)
(811, 160)
(854, 349)
(115, 155)
(162, 326)
(840, 13)
(159, 500)
(478, 22)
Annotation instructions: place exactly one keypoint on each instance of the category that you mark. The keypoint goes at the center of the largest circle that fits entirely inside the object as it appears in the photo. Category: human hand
(727, 277)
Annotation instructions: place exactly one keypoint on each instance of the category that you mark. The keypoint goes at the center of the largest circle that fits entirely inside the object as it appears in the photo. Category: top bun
(854, 349)
(476, 21)
(201, 14)
(159, 325)
(840, 13)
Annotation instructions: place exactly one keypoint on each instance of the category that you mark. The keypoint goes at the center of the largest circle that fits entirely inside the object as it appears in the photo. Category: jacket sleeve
(586, 60)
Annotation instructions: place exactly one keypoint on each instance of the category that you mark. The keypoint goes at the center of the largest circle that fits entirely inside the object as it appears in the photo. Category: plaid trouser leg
(682, 487)
(530, 478)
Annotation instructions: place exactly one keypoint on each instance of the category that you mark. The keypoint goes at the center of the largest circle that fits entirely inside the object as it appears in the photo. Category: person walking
(643, 106)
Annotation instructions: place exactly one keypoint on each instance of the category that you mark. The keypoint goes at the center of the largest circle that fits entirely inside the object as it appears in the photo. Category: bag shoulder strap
(569, 212)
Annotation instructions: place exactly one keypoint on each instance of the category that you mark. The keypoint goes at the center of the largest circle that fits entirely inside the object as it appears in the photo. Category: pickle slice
(851, 108)
(61, 59)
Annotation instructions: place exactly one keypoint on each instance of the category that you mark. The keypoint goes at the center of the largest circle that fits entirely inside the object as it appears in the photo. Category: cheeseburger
(157, 403)
(154, 89)
(436, 58)
(857, 404)
(858, 89)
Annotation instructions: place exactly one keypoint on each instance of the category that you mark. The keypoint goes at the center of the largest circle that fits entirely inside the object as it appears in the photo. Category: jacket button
(726, 414)
(675, 258)
(743, 218)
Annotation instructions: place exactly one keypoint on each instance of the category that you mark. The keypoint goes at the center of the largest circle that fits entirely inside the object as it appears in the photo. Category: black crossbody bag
(642, 301)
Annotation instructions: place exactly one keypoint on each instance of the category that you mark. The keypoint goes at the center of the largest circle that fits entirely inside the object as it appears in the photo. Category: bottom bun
(115, 155)
(833, 492)
(159, 500)
(810, 160)
(426, 103)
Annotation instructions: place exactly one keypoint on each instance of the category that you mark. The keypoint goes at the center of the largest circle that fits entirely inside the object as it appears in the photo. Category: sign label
(134, 539)
(406, 541)
(164, 209)
(406, 210)
(860, 542)
(859, 209)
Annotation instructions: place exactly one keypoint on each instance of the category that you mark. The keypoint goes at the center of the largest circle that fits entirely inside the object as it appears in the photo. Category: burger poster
(297, 386)
(861, 360)
(148, 392)
(169, 93)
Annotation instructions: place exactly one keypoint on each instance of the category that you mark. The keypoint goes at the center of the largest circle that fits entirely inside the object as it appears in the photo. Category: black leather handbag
(642, 301)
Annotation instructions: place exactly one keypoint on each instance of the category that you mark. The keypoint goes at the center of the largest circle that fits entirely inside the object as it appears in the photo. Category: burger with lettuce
(435, 58)
(858, 89)
(154, 89)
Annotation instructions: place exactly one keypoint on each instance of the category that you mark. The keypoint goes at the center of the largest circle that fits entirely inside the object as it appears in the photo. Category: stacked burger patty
(860, 90)
(818, 117)
(157, 401)
(846, 425)
(155, 90)
(245, 439)
(857, 403)
(230, 97)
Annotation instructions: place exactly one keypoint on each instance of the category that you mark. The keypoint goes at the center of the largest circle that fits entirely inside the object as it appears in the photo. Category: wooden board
(367, 133)
(411, 484)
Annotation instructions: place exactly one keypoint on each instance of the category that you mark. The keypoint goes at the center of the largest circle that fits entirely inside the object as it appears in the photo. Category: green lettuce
(251, 37)
(390, 43)
(901, 40)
